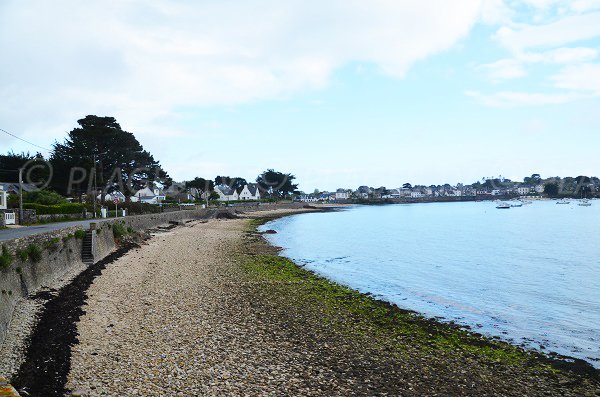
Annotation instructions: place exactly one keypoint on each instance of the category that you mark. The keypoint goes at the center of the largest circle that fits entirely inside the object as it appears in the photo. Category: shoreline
(237, 319)
(549, 357)
(555, 360)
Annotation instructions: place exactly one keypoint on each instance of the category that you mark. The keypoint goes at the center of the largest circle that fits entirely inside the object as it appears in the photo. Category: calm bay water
(530, 275)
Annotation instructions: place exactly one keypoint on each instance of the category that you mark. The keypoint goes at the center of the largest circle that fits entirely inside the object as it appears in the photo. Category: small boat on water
(516, 204)
(563, 201)
(503, 206)
(584, 203)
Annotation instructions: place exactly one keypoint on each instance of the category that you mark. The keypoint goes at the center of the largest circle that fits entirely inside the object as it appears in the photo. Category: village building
(227, 193)
(149, 196)
(342, 194)
(250, 192)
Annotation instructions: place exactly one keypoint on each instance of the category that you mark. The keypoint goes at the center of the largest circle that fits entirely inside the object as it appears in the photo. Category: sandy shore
(188, 313)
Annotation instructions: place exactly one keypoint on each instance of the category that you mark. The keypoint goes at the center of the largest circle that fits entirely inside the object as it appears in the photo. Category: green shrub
(52, 244)
(22, 254)
(34, 253)
(79, 234)
(119, 230)
(44, 197)
(6, 258)
(56, 209)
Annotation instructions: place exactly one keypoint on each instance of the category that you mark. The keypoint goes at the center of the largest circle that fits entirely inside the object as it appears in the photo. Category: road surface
(18, 232)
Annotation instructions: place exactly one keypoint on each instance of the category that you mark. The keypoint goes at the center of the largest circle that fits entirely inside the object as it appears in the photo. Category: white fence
(9, 218)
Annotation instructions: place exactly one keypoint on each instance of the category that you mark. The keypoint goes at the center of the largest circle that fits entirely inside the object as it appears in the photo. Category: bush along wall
(57, 209)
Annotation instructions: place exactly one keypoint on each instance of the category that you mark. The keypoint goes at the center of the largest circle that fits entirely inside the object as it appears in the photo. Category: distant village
(490, 188)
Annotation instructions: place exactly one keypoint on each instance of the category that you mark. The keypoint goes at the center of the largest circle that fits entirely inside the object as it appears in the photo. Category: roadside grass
(384, 324)
(6, 258)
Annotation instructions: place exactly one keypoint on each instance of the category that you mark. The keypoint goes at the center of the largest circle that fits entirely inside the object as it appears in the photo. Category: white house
(523, 190)
(539, 188)
(226, 193)
(394, 193)
(308, 199)
(3, 197)
(416, 194)
(250, 192)
(341, 194)
(111, 196)
(149, 196)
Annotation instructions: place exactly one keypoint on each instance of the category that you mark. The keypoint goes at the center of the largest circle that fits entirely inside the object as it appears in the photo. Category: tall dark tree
(35, 169)
(99, 146)
(534, 179)
(407, 186)
(276, 184)
(236, 183)
(551, 189)
(200, 186)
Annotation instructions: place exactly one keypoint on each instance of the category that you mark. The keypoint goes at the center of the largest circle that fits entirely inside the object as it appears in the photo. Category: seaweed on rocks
(48, 357)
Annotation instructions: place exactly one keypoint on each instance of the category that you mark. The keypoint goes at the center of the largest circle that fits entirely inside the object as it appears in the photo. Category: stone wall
(60, 260)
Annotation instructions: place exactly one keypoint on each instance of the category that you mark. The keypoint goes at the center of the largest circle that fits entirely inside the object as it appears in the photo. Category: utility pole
(20, 196)
(95, 185)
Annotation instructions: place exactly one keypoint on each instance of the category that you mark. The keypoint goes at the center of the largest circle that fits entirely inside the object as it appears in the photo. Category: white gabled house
(250, 192)
(111, 196)
(226, 193)
(148, 195)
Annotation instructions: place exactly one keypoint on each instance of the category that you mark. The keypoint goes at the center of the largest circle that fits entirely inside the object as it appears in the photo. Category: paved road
(12, 233)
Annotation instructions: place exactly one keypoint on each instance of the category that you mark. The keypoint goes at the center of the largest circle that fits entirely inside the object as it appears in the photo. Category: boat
(503, 206)
(584, 203)
(563, 201)
(516, 204)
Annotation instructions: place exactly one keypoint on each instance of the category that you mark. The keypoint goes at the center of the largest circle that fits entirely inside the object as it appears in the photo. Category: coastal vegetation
(400, 333)
(6, 258)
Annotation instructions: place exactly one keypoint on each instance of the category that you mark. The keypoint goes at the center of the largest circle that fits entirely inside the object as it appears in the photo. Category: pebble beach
(182, 315)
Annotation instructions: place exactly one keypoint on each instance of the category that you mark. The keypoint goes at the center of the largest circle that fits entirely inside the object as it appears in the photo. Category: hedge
(66, 208)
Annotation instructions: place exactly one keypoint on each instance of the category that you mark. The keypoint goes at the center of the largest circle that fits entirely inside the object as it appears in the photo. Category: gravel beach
(180, 316)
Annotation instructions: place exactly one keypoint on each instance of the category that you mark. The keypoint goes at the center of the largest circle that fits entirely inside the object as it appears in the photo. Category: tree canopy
(120, 160)
(277, 184)
(236, 183)
(201, 185)
(35, 169)
(551, 189)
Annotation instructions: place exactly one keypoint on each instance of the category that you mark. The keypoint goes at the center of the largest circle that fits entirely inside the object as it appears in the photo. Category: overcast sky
(340, 93)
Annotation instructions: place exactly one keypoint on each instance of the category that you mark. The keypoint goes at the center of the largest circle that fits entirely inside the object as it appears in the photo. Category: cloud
(583, 78)
(140, 60)
(563, 31)
(563, 55)
(506, 69)
(506, 99)
(495, 12)
(503, 69)
(585, 5)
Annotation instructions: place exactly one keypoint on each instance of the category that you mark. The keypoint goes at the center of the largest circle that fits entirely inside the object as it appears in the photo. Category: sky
(340, 93)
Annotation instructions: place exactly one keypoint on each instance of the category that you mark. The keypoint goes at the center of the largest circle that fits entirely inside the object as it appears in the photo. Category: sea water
(530, 275)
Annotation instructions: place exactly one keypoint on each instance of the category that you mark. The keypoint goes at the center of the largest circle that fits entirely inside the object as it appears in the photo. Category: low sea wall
(43, 261)
(51, 259)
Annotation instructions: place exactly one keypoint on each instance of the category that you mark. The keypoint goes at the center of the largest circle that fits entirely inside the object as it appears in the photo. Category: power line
(26, 141)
